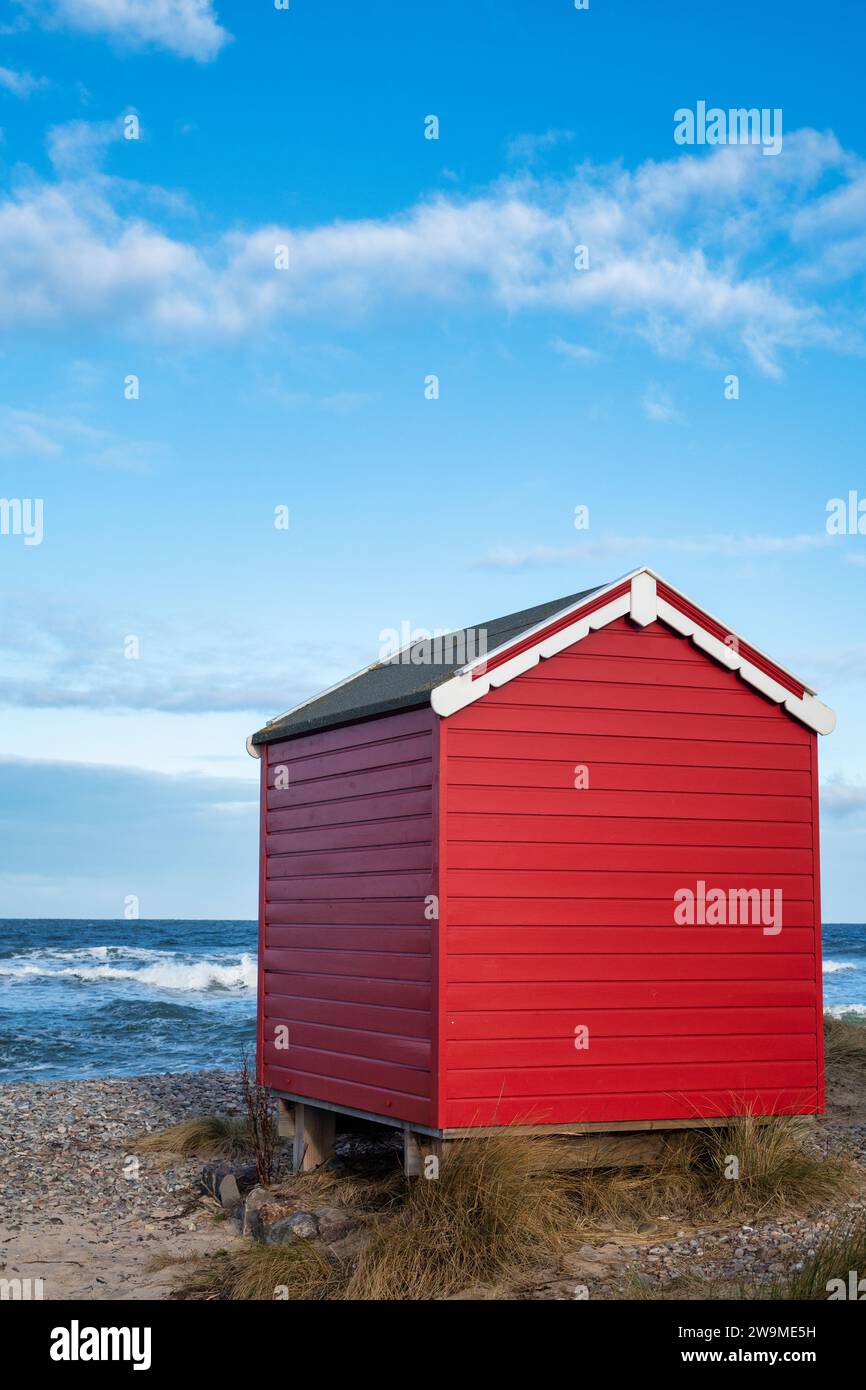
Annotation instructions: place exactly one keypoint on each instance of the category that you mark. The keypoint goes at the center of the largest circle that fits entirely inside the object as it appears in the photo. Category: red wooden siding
(345, 950)
(557, 904)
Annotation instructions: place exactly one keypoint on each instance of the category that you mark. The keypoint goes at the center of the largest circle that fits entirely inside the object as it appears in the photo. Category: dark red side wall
(557, 904)
(345, 950)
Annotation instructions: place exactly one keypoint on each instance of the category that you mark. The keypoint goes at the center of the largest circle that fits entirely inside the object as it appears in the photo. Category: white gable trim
(643, 605)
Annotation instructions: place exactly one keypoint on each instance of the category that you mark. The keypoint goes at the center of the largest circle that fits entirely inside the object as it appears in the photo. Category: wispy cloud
(525, 149)
(21, 84)
(694, 255)
(26, 434)
(576, 352)
(659, 407)
(58, 654)
(842, 665)
(186, 28)
(78, 147)
(842, 798)
(638, 547)
(330, 402)
(199, 834)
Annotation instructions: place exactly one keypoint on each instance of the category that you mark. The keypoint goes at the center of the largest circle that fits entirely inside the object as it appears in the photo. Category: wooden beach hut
(559, 871)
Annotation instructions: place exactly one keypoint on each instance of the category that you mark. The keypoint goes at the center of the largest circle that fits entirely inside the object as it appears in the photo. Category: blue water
(844, 951)
(81, 998)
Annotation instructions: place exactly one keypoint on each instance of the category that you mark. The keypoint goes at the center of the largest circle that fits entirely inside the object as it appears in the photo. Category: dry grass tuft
(357, 1190)
(844, 1039)
(777, 1172)
(500, 1205)
(621, 1198)
(295, 1273)
(503, 1205)
(206, 1137)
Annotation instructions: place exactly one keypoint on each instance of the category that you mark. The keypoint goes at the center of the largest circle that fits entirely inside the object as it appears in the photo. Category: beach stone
(213, 1174)
(334, 1223)
(350, 1246)
(229, 1194)
(300, 1226)
(252, 1225)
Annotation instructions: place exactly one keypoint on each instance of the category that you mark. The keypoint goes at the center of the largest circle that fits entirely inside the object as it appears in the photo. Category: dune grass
(359, 1189)
(844, 1039)
(776, 1171)
(296, 1273)
(204, 1136)
(504, 1205)
(500, 1205)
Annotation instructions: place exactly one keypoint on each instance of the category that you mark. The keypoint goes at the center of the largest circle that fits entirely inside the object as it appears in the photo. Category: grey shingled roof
(400, 684)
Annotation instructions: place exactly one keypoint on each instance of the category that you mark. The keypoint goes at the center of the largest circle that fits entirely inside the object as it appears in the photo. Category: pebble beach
(81, 1210)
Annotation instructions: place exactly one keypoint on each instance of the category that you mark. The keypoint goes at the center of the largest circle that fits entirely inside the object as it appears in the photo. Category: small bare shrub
(261, 1123)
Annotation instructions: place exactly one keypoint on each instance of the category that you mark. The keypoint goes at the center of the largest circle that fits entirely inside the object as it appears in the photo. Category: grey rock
(301, 1225)
(212, 1175)
(351, 1246)
(334, 1224)
(252, 1225)
(229, 1193)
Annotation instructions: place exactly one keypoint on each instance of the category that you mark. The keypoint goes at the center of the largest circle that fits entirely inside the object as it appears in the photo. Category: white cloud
(659, 407)
(842, 798)
(575, 351)
(29, 433)
(525, 149)
(187, 28)
(685, 254)
(57, 653)
(844, 665)
(637, 547)
(21, 84)
(79, 146)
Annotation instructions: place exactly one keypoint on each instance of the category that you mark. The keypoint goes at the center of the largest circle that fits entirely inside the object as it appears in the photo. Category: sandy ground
(83, 1259)
(81, 1210)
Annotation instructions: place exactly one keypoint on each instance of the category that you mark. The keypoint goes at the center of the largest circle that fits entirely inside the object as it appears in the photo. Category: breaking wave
(157, 971)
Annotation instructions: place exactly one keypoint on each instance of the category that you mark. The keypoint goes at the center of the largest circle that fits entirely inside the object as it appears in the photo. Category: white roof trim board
(642, 604)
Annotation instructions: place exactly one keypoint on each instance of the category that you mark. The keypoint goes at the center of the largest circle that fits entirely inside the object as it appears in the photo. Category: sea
(86, 998)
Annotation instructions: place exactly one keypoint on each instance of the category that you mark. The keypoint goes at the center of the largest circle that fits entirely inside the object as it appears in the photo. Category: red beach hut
(560, 870)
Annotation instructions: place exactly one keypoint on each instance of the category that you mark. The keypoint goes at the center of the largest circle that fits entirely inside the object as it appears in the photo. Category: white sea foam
(839, 1010)
(832, 967)
(166, 972)
(103, 953)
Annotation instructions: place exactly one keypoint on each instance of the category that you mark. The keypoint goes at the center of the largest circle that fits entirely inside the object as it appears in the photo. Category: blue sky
(262, 387)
